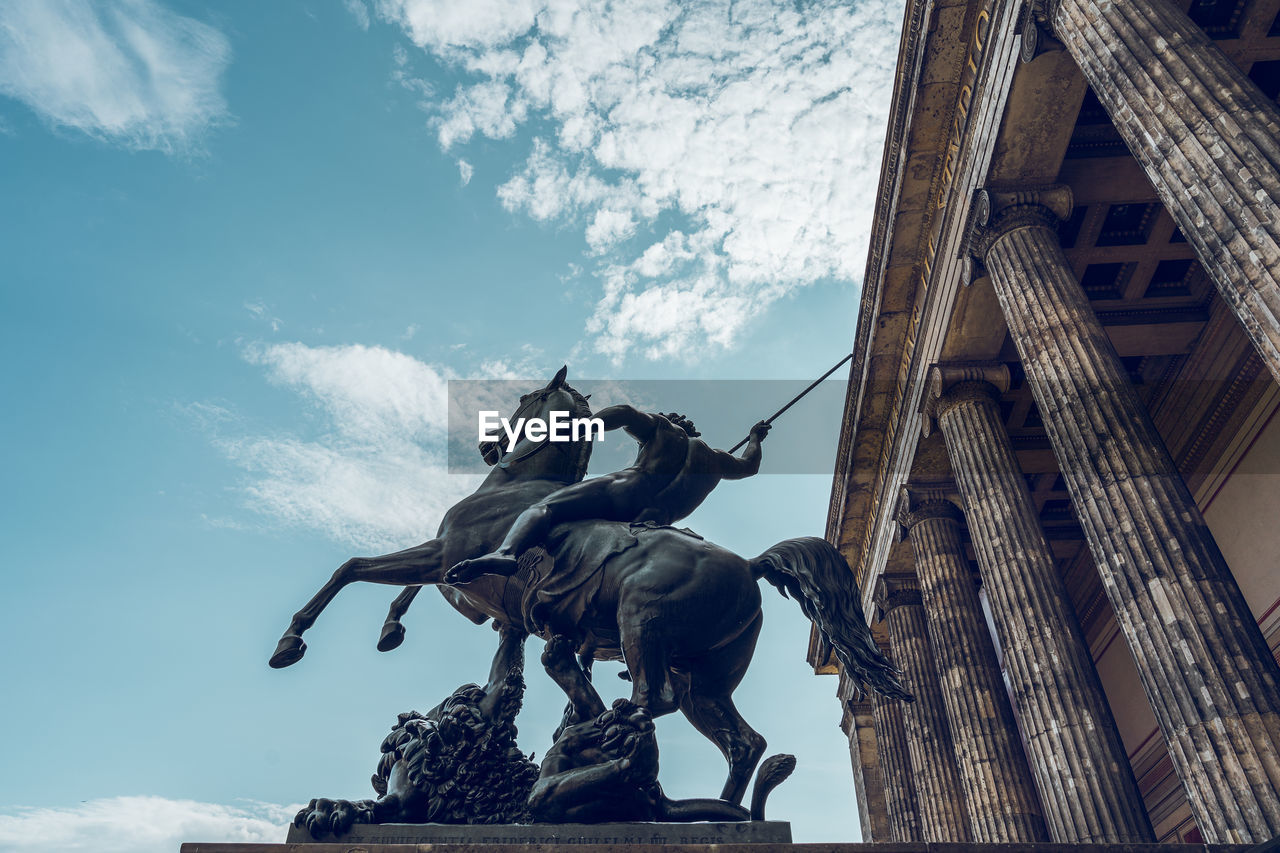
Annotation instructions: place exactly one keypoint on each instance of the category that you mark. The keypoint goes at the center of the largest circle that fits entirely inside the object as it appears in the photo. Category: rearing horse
(682, 613)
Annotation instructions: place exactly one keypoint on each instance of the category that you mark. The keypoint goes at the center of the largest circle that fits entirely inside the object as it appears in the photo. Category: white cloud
(444, 24)
(205, 414)
(402, 74)
(758, 125)
(609, 227)
(375, 474)
(131, 73)
(359, 12)
(374, 470)
(260, 311)
(465, 171)
(140, 825)
(486, 108)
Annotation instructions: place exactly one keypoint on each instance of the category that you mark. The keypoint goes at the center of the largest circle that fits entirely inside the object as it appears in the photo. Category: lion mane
(458, 765)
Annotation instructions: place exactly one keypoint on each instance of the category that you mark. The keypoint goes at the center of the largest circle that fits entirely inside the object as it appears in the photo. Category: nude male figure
(673, 473)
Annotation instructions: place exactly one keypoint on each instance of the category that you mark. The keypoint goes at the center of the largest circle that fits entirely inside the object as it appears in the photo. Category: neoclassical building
(1058, 478)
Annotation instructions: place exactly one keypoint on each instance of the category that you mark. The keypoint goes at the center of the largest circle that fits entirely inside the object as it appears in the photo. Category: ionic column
(999, 794)
(1207, 136)
(858, 723)
(939, 796)
(1203, 663)
(1081, 767)
(900, 798)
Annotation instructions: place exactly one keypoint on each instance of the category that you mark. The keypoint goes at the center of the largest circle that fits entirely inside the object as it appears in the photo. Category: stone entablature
(916, 209)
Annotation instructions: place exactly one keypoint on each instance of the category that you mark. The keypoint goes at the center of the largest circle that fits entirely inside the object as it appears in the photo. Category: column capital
(919, 502)
(996, 212)
(1040, 11)
(1035, 26)
(948, 385)
(896, 590)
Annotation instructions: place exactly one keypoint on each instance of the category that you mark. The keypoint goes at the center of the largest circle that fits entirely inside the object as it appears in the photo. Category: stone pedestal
(224, 847)
(999, 794)
(1207, 136)
(577, 834)
(1204, 665)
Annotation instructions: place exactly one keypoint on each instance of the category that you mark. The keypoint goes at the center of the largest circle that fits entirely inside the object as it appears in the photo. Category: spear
(796, 399)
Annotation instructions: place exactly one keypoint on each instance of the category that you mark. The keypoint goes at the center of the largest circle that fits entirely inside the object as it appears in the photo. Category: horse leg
(742, 746)
(418, 565)
(508, 657)
(507, 660)
(709, 707)
(648, 660)
(392, 631)
(574, 679)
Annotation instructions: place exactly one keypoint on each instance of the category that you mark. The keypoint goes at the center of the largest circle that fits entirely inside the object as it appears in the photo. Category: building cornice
(888, 193)
(936, 94)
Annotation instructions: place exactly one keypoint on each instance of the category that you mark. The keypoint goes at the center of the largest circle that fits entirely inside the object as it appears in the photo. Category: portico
(1060, 430)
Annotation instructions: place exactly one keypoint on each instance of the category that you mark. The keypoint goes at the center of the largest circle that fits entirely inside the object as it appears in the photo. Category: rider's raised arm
(738, 467)
(639, 424)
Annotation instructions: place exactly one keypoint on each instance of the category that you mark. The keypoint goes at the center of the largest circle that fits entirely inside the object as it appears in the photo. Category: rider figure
(673, 473)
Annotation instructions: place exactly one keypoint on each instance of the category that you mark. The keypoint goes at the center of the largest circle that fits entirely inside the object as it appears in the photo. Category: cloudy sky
(247, 245)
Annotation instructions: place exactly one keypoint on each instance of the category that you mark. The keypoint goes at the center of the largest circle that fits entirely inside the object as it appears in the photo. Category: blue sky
(245, 247)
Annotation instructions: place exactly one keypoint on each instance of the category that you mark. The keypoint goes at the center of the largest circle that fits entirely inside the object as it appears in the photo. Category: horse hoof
(392, 636)
(289, 651)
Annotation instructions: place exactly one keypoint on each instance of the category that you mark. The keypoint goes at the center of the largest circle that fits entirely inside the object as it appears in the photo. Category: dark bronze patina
(597, 567)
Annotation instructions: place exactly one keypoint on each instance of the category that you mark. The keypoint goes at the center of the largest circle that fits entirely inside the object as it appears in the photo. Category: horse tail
(815, 574)
(773, 771)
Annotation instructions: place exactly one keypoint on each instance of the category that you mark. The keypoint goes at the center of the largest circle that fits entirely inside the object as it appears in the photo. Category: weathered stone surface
(858, 724)
(939, 793)
(999, 792)
(895, 765)
(1206, 135)
(1204, 665)
(1081, 766)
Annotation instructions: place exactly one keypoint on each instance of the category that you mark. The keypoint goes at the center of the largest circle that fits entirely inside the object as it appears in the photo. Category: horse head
(541, 457)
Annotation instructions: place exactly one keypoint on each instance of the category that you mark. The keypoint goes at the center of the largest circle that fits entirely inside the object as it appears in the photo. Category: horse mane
(581, 409)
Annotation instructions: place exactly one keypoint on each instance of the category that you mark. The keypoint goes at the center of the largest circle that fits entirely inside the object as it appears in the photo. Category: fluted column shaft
(939, 795)
(1207, 136)
(1204, 665)
(1087, 785)
(895, 763)
(858, 723)
(1001, 798)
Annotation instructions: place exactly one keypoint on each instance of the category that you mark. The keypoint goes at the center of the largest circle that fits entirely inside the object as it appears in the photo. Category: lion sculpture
(459, 763)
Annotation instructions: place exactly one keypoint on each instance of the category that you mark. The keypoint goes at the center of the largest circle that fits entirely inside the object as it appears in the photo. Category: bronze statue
(459, 762)
(681, 612)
